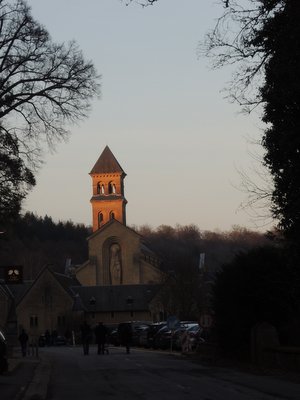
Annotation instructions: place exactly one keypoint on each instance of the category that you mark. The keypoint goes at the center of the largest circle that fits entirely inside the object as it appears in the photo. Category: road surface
(147, 375)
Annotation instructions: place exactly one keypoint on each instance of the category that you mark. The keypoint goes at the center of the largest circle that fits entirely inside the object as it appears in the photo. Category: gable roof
(108, 224)
(66, 281)
(115, 298)
(63, 280)
(16, 291)
(107, 163)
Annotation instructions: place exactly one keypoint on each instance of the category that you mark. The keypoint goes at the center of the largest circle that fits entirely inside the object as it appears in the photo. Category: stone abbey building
(120, 281)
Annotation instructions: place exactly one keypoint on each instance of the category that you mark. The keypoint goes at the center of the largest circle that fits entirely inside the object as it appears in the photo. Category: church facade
(120, 281)
(117, 254)
(121, 270)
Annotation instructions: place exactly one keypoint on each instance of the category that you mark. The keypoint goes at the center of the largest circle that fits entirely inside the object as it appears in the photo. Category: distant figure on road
(101, 333)
(86, 336)
(23, 339)
(47, 338)
(185, 342)
(125, 335)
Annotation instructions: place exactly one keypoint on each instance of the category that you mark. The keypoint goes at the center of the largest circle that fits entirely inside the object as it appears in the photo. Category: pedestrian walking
(86, 336)
(23, 339)
(125, 335)
(101, 334)
(185, 342)
(47, 338)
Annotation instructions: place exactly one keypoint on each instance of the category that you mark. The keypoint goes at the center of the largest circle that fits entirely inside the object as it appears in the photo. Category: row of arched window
(101, 218)
(101, 188)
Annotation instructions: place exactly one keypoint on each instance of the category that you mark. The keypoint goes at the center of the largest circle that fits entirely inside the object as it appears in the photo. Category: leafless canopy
(43, 85)
(233, 41)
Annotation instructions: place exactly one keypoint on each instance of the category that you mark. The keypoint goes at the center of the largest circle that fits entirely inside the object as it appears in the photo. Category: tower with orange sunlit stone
(108, 201)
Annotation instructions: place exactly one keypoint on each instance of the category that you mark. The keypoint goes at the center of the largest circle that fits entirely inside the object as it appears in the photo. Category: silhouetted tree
(280, 93)
(15, 177)
(255, 287)
(43, 86)
(179, 249)
(263, 37)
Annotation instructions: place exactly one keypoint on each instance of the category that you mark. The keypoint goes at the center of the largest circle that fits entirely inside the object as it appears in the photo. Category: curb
(37, 388)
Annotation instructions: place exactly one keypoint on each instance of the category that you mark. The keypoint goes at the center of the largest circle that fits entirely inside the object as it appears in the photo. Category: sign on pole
(173, 322)
(206, 321)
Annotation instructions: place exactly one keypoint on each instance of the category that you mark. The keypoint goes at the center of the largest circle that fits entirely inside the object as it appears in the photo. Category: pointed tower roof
(107, 163)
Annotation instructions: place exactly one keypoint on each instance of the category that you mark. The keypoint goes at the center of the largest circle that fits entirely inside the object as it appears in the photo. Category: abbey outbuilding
(120, 281)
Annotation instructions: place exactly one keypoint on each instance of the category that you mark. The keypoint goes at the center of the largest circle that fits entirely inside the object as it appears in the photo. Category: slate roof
(16, 291)
(146, 250)
(67, 282)
(107, 163)
(116, 298)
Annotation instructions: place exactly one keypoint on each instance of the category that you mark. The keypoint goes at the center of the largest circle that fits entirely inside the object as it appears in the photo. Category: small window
(100, 219)
(61, 320)
(111, 215)
(33, 321)
(92, 301)
(100, 188)
(111, 188)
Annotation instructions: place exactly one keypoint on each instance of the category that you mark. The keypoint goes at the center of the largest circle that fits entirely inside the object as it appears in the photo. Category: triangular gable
(41, 273)
(110, 223)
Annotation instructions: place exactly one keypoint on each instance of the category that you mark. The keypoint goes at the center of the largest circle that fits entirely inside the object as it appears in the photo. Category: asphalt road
(148, 375)
(13, 384)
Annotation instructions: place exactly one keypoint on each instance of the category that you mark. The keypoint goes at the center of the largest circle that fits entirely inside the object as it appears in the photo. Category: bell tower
(108, 201)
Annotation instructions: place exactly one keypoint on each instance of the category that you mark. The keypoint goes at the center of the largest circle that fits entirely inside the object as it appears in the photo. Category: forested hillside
(181, 246)
(34, 242)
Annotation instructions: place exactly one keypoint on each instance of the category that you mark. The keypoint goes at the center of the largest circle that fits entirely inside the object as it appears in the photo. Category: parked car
(185, 326)
(60, 340)
(152, 331)
(144, 337)
(113, 337)
(42, 341)
(195, 338)
(137, 331)
(3, 354)
(162, 339)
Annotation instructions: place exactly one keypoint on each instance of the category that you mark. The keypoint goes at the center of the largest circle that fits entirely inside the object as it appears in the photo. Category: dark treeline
(181, 246)
(34, 242)
(187, 291)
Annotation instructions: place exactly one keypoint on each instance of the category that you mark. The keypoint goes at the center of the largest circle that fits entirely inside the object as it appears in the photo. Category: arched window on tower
(111, 215)
(100, 219)
(100, 188)
(111, 188)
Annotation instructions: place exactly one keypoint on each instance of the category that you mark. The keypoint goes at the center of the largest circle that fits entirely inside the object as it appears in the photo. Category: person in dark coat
(125, 335)
(86, 336)
(23, 339)
(100, 333)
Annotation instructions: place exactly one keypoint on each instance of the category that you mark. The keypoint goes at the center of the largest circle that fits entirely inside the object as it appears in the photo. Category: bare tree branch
(44, 86)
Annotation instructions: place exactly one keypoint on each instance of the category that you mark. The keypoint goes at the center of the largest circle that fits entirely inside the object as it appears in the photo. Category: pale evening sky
(161, 113)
